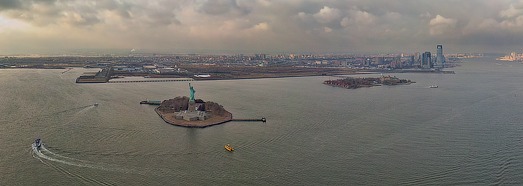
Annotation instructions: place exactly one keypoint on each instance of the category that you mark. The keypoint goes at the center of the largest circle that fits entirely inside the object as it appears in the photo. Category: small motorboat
(38, 143)
(433, 86)
(228, 148)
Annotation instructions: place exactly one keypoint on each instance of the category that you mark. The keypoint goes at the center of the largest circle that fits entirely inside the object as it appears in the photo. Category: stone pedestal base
(192, 116)
(192, 106)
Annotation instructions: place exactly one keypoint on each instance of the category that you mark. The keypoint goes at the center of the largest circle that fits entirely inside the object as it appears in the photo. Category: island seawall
(178, 111)
(193, 113)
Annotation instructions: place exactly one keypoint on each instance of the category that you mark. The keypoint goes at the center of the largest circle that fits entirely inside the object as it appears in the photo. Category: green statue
(192, 92)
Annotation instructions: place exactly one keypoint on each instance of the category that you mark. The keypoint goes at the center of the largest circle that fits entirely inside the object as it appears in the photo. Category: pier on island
(255, 120)
(151, 102)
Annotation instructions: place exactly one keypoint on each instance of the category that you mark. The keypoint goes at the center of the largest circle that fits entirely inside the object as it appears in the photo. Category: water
(467, 131)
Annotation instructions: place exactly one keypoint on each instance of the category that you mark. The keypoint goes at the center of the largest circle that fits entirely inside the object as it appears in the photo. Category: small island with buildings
(512, 57)
(190, 112)
(354, 83)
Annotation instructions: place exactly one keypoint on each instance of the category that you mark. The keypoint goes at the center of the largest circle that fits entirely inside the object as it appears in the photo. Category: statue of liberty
(191, 98)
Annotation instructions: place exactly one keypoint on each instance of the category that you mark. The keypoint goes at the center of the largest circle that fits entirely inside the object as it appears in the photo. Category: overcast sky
(260, 26)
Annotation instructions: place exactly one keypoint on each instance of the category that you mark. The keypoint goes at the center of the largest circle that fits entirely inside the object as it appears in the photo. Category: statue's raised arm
(192, 92)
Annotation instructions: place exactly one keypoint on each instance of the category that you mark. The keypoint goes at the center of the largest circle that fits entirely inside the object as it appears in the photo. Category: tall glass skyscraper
(440, 59)
(426, 60)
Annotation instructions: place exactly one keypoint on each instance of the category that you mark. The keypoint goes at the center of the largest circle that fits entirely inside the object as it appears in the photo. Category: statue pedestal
(192, 106)
(192, 113)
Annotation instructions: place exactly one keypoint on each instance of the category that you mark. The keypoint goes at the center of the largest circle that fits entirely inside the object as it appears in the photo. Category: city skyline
(259, 26)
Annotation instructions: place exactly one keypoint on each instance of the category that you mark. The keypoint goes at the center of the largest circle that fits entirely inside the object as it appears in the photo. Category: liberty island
(190, 112)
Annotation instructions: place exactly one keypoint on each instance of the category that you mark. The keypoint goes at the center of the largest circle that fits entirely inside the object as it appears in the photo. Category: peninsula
(194, 113)
(353, 83)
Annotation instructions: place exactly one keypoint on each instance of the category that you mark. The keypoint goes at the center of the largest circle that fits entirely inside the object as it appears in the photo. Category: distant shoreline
(267, 76)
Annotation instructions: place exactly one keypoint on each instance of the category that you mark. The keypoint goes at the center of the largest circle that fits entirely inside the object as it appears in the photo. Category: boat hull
(228, 148)
(38, 143)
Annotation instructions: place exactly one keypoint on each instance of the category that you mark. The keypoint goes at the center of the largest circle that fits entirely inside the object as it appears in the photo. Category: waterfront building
(417, 59)
(426, 60)
(440, 58)
(380, 60)
(512, 57)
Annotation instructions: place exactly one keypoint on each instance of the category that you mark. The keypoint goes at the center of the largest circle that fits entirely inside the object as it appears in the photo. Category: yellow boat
(228, 148)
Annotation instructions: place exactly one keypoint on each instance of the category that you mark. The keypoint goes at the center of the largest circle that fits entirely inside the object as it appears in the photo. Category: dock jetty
(151, 102)
(262, 120)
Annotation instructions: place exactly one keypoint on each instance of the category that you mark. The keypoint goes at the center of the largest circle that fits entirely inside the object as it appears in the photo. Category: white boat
(38, 143)
(433, 86)
(202, 75)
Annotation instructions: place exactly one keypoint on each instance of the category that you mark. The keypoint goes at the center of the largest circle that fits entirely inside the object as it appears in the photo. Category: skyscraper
(426, 60)
(440, 59)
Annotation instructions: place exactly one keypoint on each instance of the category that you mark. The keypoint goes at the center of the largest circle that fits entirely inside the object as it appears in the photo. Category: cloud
(358, 18)
(327, 29)
(514, 10)
(219, 7)
(73, 18)
(261, 26)
(441, 25)
(258, 25)
(327, 15)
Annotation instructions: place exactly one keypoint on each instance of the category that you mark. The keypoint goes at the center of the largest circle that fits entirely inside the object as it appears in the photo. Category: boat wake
(37, 153)
(45, 154)
(33, 121)
(47, 157)
(76, 115)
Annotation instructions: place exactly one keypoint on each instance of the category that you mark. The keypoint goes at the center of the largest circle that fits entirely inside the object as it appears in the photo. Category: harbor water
(468, 131)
